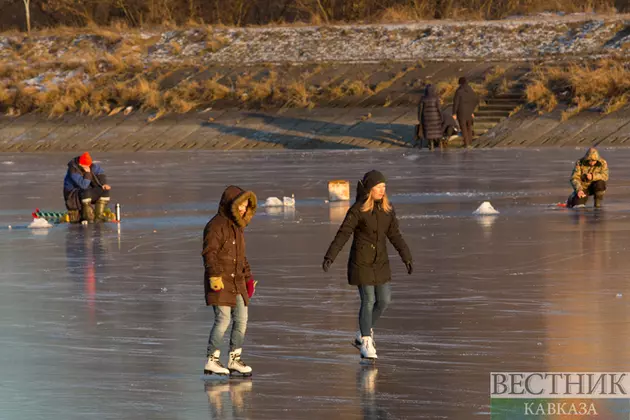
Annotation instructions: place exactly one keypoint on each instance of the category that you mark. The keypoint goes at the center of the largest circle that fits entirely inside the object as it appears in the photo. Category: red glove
(251, 287)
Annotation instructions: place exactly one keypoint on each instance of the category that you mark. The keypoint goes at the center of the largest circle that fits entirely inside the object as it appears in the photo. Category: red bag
(251, 287)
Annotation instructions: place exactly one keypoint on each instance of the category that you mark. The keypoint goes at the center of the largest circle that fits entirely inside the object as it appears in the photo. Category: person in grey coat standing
(430, 116)
(464, 105)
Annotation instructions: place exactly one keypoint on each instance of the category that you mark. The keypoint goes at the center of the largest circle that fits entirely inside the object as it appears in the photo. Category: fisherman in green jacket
(589, 177)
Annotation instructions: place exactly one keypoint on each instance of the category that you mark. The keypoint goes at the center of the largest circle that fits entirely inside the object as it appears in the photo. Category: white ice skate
(367, 348)
(237, 366)
(357, 339)
(214, 366)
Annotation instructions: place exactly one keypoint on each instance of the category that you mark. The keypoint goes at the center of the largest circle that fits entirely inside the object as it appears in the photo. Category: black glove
(326, 264)
(409, 266)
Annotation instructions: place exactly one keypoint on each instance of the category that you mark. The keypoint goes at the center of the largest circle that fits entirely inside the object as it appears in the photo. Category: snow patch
(39, 223)
(45, 80)
(276, 202)
(8, 162)
(485, 209)
(273, 202)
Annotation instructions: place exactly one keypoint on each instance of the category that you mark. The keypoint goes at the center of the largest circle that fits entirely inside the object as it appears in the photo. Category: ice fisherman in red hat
(85, 185)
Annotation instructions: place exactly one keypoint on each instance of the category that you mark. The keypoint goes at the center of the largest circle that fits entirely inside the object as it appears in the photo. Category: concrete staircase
(497, 108)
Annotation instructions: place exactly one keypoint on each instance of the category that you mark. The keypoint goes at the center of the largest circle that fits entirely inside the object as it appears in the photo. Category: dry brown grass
(358, 88)
(348, 88)
(615, 104)
(174, 13)
(335, 92)
(178, 104)
(446, 89)
(604, 84)
(157, 115)
(176, 47)
(262, 91)
(115, 63)
(213, 91)
(388, 83)
(419, 10)
(494, 79)
(7, 96)
(601, 82)
(69, 98)
(184, 97)
(139, 92)
(215, 42)
(539, 94)
(299, 95)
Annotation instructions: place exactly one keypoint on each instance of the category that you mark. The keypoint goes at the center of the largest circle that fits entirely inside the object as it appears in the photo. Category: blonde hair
(368, 206)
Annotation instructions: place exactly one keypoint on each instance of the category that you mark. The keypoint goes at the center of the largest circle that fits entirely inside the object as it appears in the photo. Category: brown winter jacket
(369, 263)
(465, 102)
(224, 248)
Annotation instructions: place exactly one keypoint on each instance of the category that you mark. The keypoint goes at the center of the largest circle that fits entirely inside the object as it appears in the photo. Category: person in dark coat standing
(85, 184)
(372, 220)
(464, 105)
(228, 282)
(430, 116)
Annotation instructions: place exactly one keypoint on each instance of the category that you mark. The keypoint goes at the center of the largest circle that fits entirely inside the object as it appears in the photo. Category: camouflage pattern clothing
(595, 186)
(579, 180)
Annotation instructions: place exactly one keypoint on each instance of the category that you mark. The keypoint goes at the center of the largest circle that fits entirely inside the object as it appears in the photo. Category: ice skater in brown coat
(228, 282)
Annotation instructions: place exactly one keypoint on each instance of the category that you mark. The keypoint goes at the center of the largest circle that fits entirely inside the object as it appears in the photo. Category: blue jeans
(223, 316)
(374, 301)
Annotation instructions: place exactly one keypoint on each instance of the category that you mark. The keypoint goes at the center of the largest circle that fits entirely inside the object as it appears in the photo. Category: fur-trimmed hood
(231, 199)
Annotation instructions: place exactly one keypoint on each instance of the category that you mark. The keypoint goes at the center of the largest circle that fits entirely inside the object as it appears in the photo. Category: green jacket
(582, 167)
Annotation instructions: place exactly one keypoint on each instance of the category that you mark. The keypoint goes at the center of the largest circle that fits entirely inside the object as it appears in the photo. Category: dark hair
(462, 80)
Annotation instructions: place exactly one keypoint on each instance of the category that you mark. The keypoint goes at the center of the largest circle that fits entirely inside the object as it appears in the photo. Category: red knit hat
(85, 159)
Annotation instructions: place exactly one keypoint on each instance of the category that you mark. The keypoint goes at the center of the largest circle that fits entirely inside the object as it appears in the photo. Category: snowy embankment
(545, 36)
(512, 39)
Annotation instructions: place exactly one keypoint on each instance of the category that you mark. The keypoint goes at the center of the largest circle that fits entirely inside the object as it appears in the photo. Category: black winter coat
(430, 115)
(368, 263)
(465, 102)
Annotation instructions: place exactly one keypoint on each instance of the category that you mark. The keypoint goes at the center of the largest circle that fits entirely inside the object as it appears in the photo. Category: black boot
(599, 197)
(87, 214)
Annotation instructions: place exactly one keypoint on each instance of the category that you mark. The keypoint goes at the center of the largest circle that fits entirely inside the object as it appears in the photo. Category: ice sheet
(108, 321)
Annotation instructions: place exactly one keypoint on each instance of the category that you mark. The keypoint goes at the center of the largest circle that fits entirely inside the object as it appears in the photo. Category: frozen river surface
(109, 322)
